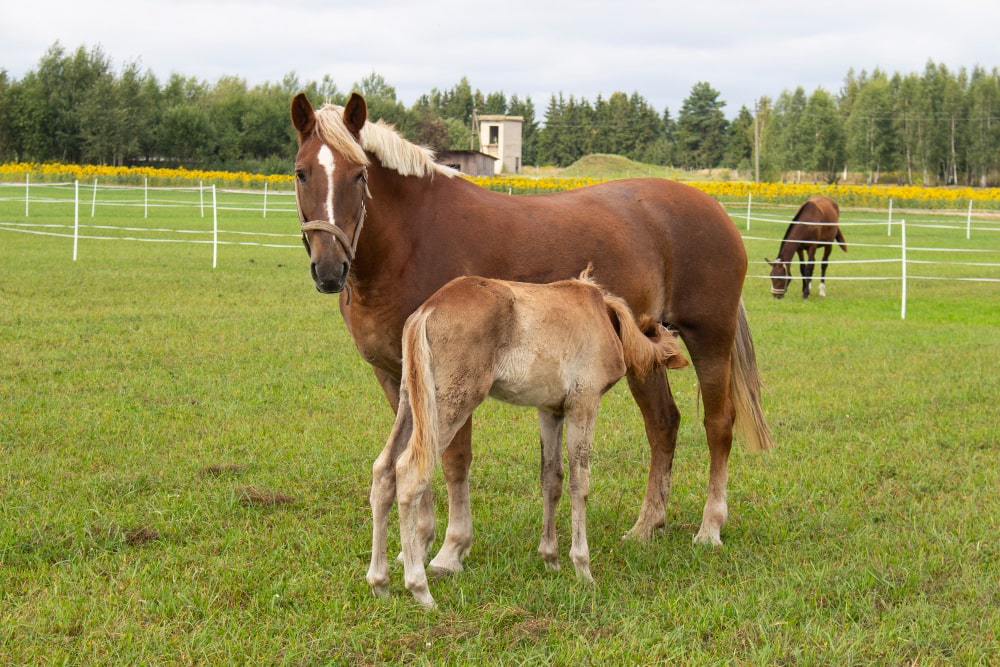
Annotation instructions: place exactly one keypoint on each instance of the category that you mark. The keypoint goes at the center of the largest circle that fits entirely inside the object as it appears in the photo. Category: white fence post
(265, 199)
(968, 222)
(902, 229)
(201, 196)
(749, 199)
(27, 186)
(76, 216)
(93, 202)
(890, 217)
(215, 229)
(145, 197)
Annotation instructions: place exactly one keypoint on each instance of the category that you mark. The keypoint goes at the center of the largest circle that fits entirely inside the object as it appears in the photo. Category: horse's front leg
(550, 427)
(456, 461)
(579, 436)
(662, 419)
(806, 268)
(822, 278)
(383, 493)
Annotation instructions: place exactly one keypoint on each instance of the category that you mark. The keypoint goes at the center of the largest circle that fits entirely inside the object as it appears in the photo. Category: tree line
(936, 127)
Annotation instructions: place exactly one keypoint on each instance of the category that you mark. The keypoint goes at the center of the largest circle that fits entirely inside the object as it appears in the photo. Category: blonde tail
(646, 345)
(419, 378)
(745, 389)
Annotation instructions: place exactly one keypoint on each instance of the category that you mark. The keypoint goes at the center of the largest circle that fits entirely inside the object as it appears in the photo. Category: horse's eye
(300, 176)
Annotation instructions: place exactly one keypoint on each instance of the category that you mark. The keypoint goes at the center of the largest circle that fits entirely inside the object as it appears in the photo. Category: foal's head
(331, 184)
(781, 277)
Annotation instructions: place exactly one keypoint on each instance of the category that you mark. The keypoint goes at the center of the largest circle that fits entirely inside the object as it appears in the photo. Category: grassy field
(185, 456)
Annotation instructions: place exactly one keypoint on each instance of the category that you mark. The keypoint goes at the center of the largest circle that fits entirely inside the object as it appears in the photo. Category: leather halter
(350, 246)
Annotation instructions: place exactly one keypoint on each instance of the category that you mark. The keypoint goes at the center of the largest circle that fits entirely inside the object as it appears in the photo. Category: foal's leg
(383, 493)
(822, 278)
(662, 418)
(579, 436)
(392, 389)
(550, 426)
(411, 486)
(456, 460)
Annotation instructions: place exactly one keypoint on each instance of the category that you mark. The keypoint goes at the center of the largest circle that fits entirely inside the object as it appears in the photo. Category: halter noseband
(786, 277)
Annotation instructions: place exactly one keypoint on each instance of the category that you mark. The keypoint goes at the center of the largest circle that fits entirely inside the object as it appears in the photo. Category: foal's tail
(646, 344)
(745, 389)
(419, 379)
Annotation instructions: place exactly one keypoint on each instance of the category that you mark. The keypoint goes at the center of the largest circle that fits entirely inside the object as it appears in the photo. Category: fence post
(749, 199)
(890, 217)
(145, 197)
(968, 223)
(265, 199)
(215, 229)
(902, 229)
(201, 196)
(76, 216)
(27, 186)
(93, 203)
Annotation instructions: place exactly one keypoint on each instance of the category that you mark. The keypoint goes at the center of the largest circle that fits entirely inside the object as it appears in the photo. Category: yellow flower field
(846, 195)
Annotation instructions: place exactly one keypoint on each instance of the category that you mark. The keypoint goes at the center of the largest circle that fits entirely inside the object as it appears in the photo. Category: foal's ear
(769, 262)
(355, 114)
(303, 116)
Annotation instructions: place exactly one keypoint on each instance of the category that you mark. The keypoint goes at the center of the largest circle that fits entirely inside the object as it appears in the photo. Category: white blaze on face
(325, 158)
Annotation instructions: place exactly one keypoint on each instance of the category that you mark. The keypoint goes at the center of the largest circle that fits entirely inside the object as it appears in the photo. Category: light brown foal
(557, 347)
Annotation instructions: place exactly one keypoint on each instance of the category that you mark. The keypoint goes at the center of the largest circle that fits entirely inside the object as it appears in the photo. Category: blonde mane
(382, 140)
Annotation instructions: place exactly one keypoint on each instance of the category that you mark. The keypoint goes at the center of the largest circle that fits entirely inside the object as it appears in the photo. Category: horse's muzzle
(329, 277)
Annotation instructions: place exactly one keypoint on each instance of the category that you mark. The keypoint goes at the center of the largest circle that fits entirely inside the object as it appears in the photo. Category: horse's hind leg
(456, 461)
(822, 277)
(550, 427)
(579, 436)
(713, 380)
(662, 418)
(411, 486)
(383, 493)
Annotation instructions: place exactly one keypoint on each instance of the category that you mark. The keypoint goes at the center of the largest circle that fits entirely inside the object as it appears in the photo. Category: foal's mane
(382, 140)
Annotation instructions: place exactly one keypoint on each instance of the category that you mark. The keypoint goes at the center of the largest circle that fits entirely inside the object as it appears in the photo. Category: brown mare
(557, 347)
(815, 224)
(386, 227)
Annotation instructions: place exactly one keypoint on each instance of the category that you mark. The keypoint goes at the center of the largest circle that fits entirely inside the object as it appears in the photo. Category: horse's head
(331, 184)
(781, 276)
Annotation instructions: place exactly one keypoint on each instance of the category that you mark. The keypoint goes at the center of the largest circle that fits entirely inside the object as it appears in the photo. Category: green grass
(185, 456)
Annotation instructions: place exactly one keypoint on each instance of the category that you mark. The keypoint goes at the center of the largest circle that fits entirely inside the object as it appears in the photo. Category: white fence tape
(264, 202)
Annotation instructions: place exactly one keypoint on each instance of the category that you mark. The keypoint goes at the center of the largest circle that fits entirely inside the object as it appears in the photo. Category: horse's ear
(303, 116)
(355, 113)
(769, 262)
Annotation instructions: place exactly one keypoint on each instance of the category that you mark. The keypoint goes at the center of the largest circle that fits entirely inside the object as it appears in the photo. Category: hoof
(708, 540)
(438, 572)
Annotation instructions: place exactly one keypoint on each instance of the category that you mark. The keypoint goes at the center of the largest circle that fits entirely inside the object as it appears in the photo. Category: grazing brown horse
(557, 347)
(815, 224)
(385, 226)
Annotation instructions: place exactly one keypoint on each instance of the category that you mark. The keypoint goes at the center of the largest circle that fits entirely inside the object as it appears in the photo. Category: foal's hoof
(381, 592)
(437, 572)
(708, 539)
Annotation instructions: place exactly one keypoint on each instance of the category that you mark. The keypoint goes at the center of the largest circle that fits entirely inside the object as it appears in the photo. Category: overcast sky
(659, 48)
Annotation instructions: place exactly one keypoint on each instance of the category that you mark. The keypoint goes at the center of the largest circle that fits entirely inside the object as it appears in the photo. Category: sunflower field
(856, 196)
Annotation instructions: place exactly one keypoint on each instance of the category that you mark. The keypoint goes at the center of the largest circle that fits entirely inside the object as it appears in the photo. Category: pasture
(185, 460)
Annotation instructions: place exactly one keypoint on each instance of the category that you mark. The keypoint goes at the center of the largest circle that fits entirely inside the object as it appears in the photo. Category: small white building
(500, 136)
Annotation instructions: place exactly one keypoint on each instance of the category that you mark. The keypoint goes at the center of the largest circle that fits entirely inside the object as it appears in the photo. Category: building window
(494, 135)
